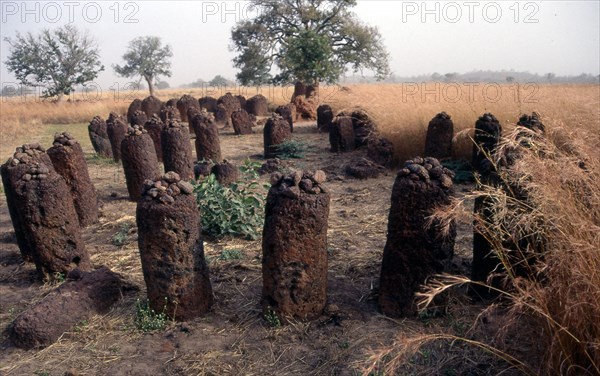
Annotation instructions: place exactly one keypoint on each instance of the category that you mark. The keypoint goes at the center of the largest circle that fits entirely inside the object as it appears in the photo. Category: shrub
(236, 210)
(290, 149)
(146, 319)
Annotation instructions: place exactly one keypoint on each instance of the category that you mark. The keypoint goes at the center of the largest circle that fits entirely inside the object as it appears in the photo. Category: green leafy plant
(236, 210)
(272, 319)
(146, 319)
(120, 237)
(290, 149)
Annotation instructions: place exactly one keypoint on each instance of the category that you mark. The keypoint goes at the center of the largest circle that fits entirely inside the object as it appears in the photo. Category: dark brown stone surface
(172, 253)
(225, 107)
(69, 161)
(171, 103)
(136, 105)
(438, 142)
(258, 105)
(12, 173)
(203, 169)
(81, 296)
(208, 103)
(324, 117)
(177, 149)
(168, 113)
(294, 246)
(226, 173)
(184, 104)
(50, 222)
(362, 168)
(99, 137)
(341, 134)
(288, 112)
(381, 151)
(270, 166)
(299, 89)
(208, 144)
(413, 251)
(276, 131)
(138, 118)
(139, 161)
(242, 122)
(242, 100)
(151, 106)
(306, 107)
(364, 126)
(155, 126)
(116, 127)
(487, 135)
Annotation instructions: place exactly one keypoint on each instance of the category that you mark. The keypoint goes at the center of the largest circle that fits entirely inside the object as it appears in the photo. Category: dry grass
(402, 111)
(547, 206)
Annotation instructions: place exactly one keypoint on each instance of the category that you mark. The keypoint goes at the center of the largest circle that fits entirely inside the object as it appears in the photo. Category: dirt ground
(234, 338)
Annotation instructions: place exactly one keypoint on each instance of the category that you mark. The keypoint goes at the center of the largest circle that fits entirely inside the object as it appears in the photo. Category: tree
(147, 58)
(306, 40)
(550, 77)
(510, 79)
(219, 80)
(56, 60)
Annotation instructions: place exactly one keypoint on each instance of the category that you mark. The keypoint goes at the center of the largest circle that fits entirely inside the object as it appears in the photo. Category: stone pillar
(258, 105)
(99, 137)
(151, 106)
(69, 161)
(138, 118)
(177, 149)
(341, 134)
(12, 173)
(324, 117)
(226, 173)
(242, 122)
(139, 161)
(184, 103)
(171, 249)
(288, 112)
(116, 128)
(50, 222)
(294, 246)
(413, 251)
(136, 105)
(208, 144)
(154, 127)
(438, 142)
(276, 131)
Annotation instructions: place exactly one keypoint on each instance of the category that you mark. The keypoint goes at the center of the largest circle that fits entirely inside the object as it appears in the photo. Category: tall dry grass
(545, 230)
(402, 111)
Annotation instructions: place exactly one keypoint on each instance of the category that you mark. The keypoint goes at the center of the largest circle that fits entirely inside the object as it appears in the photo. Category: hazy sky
(422, 37)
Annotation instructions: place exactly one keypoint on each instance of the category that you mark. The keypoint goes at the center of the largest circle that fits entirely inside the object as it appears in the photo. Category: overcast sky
(422, 38)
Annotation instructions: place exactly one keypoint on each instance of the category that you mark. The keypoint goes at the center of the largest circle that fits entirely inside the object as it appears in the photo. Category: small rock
(275, 178)
(185, 187)
(319, 177)
(166, 199)
(291, 192)
(306, 185)
(171, 177)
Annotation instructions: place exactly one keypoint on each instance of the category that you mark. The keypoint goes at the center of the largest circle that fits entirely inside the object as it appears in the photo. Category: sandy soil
(234, 338)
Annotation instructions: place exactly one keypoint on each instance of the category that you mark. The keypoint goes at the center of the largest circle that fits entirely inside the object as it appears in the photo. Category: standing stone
(288, 112)
(203, 169)
(138, 118)
(116, 129)
(14, 171)
(364, 127)
(438, 143)
(225, 107)
(69, 161)
(171, 103)
(151, 106)
(242, 100)
(299, 89)
(306, 107)
(184, 104)
(139, 161)
(226, 173)
(487, 136)
(154, 127)
(324, 117)
(172, 253)
(50, 222)
(242, 122)
(341, 134)
(136, 105)
(294, 246)
(177, 149)
(168, 113)
(276, 131)
(99, 137)
(258, 105)
(208, 103)
(415, 251)
(208, 144)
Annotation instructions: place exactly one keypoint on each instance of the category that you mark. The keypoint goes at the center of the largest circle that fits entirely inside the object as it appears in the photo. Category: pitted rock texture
(154, 126)
(257, 105)
(151, 106)
(177, 149)
(184, 104)
(341, 134)
(99, 137)
(438, 142)
(140, 162)
(242, 122)
(276, 131)
(116, 128)
(208, 143)
(68, 160)
(171, 249)
(136, 105)
(415, 251)
(324, 117)
(295, 246)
